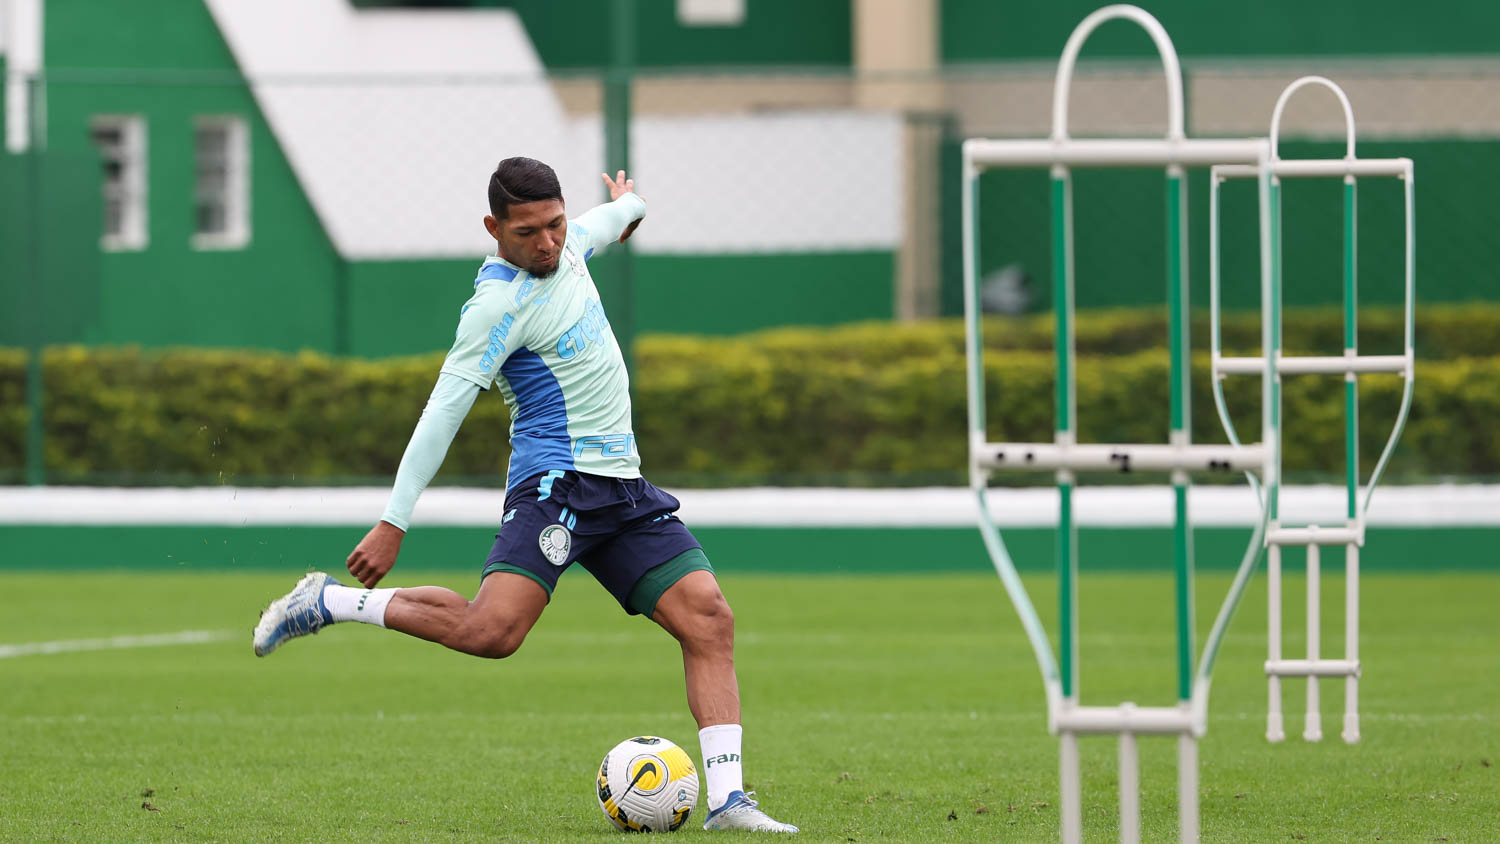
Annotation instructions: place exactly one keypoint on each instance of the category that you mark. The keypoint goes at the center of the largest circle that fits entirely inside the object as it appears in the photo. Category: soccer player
(535, 329)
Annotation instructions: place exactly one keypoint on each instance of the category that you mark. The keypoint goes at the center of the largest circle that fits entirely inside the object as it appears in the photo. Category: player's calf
(487, 638)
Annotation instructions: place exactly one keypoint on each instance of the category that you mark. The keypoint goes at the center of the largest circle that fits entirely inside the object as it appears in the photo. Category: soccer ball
(647, 784)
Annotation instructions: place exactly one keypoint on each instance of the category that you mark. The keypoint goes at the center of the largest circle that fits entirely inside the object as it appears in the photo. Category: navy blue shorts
(617, 528)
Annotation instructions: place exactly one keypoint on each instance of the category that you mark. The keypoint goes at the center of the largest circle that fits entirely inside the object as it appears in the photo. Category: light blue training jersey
(547, 345)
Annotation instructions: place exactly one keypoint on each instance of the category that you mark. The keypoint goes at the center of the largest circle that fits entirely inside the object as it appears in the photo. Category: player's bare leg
(694, 611)
(493, 625)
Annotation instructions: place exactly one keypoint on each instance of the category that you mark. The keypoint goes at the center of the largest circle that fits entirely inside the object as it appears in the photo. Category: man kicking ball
(535, 329)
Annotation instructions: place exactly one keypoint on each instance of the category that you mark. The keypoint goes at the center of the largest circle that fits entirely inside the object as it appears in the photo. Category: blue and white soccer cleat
(740, 812)
(299, 612)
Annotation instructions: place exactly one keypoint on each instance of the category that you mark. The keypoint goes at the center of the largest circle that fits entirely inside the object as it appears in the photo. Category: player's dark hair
(519, 180)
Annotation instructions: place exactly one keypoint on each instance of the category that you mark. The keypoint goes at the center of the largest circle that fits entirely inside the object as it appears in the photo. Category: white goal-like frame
(1351, 535)
(1067, 717)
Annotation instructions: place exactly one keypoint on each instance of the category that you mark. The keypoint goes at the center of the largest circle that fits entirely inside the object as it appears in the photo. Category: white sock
(721, 762)
(354, 603)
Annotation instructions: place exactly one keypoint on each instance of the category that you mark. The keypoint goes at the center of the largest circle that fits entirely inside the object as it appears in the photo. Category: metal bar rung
(1312, 667)
(1308, 365)
(1316, 536)
(1288, 168)
(1104, 457)
(986, 154)
(1125, 718)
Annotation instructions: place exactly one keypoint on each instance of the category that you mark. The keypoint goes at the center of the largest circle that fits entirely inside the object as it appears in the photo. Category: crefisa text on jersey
(498, 333)
(592, 328)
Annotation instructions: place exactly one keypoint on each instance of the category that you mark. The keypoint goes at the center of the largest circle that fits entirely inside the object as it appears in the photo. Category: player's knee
(712, 621)
(491, 641)
(498, 644)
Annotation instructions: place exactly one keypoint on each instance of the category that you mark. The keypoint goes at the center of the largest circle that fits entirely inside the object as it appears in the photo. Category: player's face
(532, 236)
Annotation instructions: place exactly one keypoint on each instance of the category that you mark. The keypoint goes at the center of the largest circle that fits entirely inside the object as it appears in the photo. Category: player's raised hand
(375, 554)
(619, 185)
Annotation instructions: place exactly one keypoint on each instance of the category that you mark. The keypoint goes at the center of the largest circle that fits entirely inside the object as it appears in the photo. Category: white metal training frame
(1066, 717)
(1351, 535)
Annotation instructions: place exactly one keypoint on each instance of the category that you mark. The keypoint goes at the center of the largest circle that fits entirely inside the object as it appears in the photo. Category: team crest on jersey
(555, 542)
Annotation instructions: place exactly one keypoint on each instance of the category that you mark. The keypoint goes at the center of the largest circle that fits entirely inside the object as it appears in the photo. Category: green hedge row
(736, 409)
(1443, 332)
(865, 404)
(12, 412)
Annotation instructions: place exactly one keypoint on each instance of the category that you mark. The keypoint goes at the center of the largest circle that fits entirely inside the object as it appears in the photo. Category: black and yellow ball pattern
(647, 784)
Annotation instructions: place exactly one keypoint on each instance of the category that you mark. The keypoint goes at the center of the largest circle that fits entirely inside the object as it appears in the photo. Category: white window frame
(131, 190)
(711, 13)
(236, 186)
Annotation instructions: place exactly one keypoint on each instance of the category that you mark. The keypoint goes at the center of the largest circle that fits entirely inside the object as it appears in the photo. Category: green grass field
(892, 708)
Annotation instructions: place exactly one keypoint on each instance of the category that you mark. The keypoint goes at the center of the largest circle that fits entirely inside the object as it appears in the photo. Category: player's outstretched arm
(449, 403)
(618, 187)
(616, 220)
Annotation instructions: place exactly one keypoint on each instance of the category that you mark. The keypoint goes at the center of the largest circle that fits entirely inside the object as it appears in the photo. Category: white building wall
(393, 121)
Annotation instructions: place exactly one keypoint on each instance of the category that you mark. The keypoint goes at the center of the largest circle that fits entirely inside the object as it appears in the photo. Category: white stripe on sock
(355, 603)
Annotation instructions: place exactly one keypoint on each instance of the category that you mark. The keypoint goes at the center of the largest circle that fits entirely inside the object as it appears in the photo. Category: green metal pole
(975, 334)
(1176, 304)
(617, 83)
(1351, 346)
(1067, 544)
(1177, 329)
(36, 324)
(36, 467)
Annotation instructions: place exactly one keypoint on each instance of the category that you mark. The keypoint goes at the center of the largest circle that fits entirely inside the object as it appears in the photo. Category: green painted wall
(47, 202)
(410, 307)
(278, 292)
(406, 307)
(15, 271)
(1119, 231)
(724, 294)
(576, 35)
(736, 550)
(985, 30)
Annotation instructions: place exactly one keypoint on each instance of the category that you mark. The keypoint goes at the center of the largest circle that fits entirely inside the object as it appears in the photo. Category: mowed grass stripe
(875, 708)
(115, 643)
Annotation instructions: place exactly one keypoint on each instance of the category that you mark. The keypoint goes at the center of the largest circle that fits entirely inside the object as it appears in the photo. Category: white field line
(150, 640)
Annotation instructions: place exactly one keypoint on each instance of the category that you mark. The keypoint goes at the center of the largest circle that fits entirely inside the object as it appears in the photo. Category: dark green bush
(12, 414)
(722, 411)
(1443, 332)
(872, 403)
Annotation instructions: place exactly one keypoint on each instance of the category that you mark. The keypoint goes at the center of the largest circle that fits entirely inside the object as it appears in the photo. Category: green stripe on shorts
(657, 580)
(494, 567)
